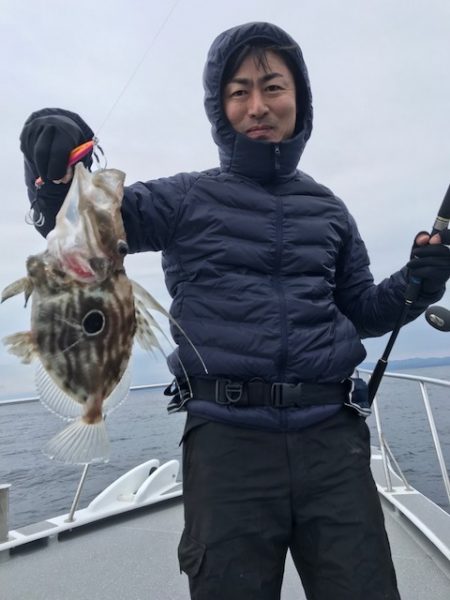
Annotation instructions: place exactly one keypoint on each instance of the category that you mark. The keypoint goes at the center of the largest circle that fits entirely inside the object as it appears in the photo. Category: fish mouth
(86, 270)
(78, 267)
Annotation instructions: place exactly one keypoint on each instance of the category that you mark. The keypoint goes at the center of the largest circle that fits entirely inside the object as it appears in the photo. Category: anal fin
(54, 398)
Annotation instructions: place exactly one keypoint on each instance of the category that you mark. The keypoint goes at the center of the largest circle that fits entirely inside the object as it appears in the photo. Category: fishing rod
(411, 294)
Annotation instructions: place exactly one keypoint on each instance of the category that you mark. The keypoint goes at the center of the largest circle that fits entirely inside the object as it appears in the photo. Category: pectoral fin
(145, 336)
(21, 344)
(24, 285)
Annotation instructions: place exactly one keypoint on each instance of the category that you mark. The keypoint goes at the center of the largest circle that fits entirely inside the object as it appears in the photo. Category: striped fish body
(85, 315)
(83, 333)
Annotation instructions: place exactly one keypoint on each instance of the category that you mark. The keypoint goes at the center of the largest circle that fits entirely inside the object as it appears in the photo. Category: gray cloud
(379, 73)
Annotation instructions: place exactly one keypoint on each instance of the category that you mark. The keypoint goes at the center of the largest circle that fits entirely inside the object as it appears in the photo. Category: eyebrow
(263, 79)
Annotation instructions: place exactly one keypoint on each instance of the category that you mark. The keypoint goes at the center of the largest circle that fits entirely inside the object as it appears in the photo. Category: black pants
(251, 495)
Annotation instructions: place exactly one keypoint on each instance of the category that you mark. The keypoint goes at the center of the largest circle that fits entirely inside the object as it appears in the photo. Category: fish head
(88, 241)
(45, 277)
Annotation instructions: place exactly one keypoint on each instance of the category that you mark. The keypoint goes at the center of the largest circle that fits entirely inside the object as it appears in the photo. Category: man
(271, 281)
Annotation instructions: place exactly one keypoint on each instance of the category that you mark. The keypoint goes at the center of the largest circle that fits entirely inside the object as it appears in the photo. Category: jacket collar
(263, 161)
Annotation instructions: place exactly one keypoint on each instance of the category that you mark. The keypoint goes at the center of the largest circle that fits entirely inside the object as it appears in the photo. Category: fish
(85, 316)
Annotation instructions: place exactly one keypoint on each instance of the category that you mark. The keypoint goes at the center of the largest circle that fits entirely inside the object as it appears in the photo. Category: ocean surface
(141, 429)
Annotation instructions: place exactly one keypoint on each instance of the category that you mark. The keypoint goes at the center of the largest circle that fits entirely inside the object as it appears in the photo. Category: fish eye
(93, 322)
(122, 248)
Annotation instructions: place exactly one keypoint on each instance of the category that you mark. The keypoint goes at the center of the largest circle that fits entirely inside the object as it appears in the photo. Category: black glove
(431, 264)
(49, 136)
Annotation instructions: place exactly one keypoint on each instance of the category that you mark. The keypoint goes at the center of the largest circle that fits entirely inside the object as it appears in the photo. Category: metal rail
(29, 399)
(385, 450)
(4, 489)
(386, 453)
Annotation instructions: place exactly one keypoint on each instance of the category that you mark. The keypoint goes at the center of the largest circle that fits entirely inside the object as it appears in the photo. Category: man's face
(261, 103)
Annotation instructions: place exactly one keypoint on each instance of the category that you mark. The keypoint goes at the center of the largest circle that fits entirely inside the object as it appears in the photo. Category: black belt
(257, 392)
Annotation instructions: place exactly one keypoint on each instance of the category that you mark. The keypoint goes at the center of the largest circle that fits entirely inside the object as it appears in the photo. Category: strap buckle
(228, 392)
(285, 395)
(180, 393)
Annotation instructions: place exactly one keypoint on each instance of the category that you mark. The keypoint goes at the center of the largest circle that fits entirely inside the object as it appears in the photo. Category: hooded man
(270, 279)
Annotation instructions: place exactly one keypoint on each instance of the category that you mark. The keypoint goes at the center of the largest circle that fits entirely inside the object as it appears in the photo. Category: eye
(273, 88)
(122, 247)
(93, 322)
(237, 94)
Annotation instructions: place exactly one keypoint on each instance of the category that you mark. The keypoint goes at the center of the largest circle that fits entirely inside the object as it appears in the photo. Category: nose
(257, 106)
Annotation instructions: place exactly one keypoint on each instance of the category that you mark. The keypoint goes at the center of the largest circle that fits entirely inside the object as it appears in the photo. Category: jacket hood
(260, 160)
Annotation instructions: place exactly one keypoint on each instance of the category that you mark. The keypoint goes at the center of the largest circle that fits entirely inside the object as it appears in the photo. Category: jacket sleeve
(373, 309)
(151, 210)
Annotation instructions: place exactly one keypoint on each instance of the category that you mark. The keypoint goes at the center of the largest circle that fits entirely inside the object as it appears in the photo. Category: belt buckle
(285, 395)
(232, 391)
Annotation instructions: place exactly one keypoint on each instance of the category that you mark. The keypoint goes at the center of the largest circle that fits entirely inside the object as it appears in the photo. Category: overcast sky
(380, 77)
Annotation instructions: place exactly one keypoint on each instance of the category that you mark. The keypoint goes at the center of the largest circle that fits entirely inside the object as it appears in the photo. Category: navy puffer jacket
(266, 268)
(267, 271)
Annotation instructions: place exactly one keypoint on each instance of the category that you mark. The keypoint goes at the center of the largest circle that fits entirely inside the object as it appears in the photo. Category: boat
(123, 544)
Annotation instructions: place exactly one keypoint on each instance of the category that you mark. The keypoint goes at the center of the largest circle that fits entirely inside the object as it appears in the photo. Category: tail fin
(80, 443)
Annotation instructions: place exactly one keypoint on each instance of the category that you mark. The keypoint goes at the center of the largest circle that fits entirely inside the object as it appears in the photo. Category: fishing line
(138, 66)
(34, 216)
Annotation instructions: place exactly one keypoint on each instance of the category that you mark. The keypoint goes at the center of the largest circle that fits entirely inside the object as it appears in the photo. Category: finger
(436, 239)
(67, 177)
(422, 238)
(50, 164)
(431, 250)
(57, 161)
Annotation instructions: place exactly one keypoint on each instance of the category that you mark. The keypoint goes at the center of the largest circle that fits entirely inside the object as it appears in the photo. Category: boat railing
(386, 453)
(4, 488)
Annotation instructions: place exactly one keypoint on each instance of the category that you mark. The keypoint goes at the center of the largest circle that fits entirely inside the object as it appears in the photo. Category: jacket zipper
(279, 289)
(277, 157)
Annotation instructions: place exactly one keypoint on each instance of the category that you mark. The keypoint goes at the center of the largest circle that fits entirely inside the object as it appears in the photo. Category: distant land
(411, 363)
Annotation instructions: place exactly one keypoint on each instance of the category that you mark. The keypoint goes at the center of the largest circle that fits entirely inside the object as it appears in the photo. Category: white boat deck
(134, 556)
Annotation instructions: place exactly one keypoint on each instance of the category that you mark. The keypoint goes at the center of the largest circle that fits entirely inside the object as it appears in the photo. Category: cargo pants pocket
(190, 555)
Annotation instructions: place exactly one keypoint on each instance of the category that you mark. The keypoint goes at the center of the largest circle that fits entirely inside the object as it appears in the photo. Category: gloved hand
(49, 136)
(430, 261)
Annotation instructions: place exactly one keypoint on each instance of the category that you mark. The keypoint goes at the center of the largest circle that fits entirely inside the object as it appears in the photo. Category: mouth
(78, 267)
(259, 131)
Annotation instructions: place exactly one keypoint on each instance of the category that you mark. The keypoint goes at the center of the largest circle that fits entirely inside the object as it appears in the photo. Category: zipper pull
(277, 153)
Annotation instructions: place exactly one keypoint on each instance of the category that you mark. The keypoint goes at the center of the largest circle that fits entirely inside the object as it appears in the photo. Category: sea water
(141, 429)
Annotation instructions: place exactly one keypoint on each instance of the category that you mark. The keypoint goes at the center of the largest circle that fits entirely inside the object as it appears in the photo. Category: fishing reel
(438, 317)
